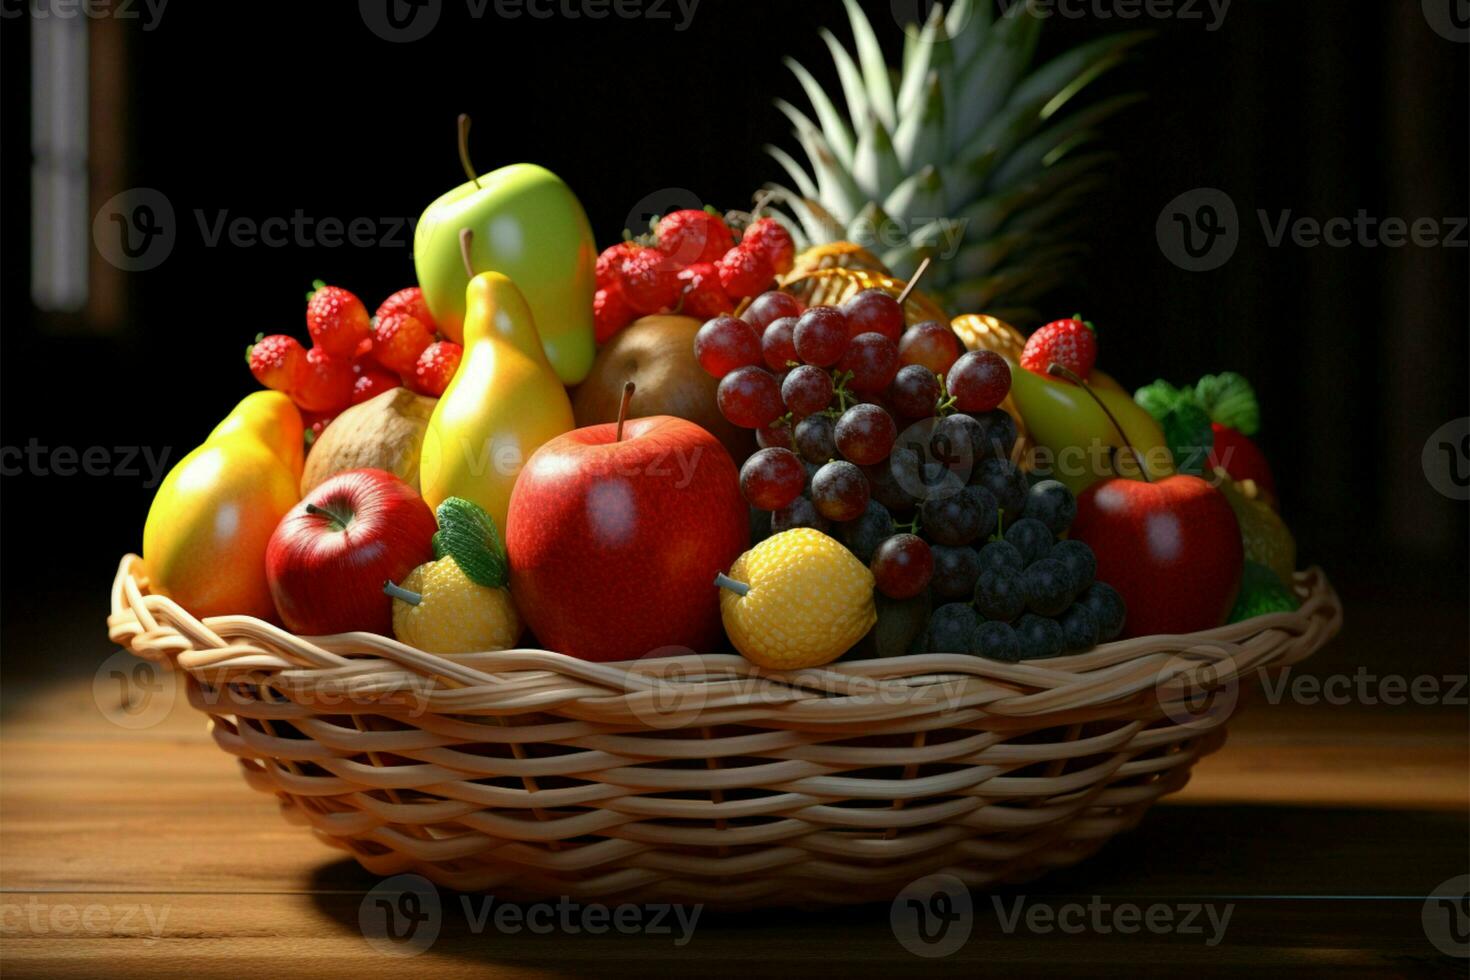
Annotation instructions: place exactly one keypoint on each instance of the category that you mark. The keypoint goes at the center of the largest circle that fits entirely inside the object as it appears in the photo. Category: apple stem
(338, 521)
(464, 148)
(466, 238)
(399, 592)
(628, 388)
(724, 581)
(913, 281)
(1062, 371)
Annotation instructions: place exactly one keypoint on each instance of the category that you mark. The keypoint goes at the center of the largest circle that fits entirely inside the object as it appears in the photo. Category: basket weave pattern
(702, 778)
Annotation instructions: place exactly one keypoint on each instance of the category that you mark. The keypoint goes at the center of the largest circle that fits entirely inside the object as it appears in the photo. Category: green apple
(529, 226)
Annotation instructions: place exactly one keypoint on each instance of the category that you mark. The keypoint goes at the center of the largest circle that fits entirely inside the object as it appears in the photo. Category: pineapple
(963, 156)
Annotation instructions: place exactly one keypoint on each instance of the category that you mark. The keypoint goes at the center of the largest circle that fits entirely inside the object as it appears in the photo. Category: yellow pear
(503, 403)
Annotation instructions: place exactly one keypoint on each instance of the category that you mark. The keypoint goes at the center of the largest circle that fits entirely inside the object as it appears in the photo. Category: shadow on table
(1197, 888)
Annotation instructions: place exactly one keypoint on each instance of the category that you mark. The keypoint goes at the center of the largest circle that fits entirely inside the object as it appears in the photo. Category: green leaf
(468, 535)
(1161, 398)
(1230, 400)
(1187, 431)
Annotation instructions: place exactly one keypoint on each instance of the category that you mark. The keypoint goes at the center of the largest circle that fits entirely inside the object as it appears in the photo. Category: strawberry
(277, 361)
(650, 281)
(690, 236)
(336, 320)
(767, 236)
(315, 423)
(704, 297)
(436, 367)
(327, 386)
(398, 340)
(610, 263)
(1072, 343)
(370, 380)
(610, 313)
(409, 301)
(744, 272)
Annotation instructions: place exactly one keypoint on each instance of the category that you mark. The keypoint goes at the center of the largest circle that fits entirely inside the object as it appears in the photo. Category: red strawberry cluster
(354, 357)
(695, 268)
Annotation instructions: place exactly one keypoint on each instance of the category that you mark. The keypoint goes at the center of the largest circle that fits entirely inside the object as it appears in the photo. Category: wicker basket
(702, 778)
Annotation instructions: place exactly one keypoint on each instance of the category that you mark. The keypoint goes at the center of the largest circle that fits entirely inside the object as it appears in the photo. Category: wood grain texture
(103, 827)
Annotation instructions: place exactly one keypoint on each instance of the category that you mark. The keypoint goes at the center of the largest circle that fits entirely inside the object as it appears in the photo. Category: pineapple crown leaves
(468, 535)
(962, 124)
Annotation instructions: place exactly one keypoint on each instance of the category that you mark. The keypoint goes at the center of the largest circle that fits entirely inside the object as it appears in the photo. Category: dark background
(1320, 108)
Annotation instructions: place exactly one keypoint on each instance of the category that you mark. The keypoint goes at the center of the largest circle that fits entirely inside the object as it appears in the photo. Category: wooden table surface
(1320, 830)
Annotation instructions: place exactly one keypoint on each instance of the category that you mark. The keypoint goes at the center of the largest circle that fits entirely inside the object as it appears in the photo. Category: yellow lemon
(452, 614)
(797, 599)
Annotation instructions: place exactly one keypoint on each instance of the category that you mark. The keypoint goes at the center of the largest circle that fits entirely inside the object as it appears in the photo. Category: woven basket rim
(1114, 674)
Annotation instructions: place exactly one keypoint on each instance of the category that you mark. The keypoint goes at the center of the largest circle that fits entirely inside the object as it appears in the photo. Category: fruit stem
(628, 389)
(726, 582)
(399, 592)
(1062, 371)
(914, 281)
(464, 148)
(338, 521)
(466, 238)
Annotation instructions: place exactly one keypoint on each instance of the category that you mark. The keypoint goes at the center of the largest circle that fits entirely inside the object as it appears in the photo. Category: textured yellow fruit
(809, 601)
(1265, 536)
(454, 614)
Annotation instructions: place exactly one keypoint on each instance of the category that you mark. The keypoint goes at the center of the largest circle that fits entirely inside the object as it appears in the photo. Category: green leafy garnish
(1190, 438)
(1159, 398)
(1230, 400)
(468, 535)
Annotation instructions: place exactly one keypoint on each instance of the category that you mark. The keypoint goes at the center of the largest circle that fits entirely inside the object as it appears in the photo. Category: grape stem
(1062, 371)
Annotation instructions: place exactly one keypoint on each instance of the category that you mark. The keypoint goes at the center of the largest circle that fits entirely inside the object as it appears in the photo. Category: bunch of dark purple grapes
(890, 439)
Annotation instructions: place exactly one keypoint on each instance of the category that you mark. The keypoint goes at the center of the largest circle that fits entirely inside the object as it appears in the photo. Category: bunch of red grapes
(891, 439)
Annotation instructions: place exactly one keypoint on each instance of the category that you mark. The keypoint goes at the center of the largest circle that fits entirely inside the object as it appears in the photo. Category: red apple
(1171, 548)
(329, 557)
(613, 545)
